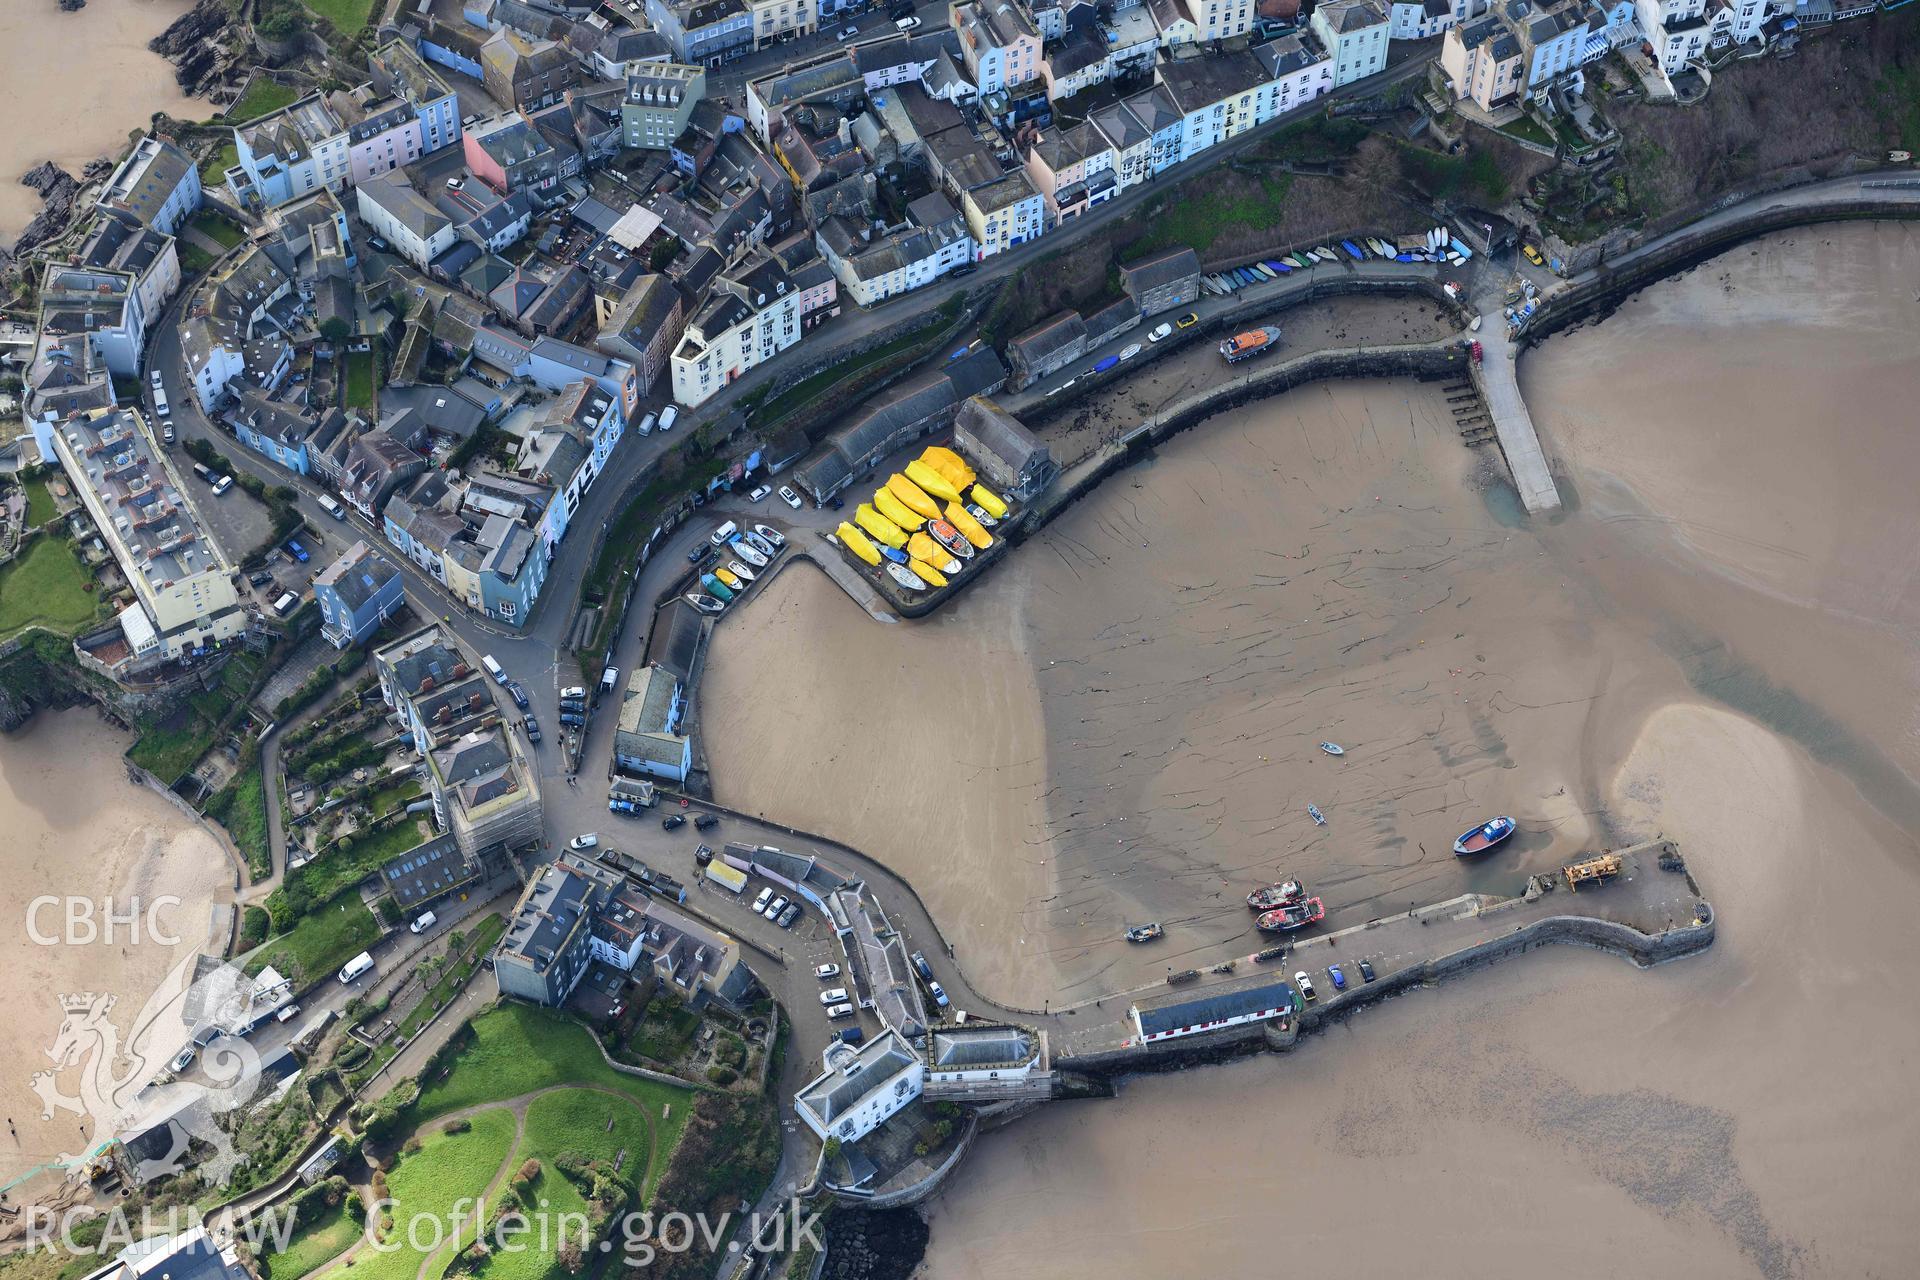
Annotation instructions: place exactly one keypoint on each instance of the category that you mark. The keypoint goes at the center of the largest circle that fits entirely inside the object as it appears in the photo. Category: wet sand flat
(1728, 620)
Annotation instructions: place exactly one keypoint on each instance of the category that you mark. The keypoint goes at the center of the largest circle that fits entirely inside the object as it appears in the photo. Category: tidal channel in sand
(76, 85)
(76, 828)
(1716, 642)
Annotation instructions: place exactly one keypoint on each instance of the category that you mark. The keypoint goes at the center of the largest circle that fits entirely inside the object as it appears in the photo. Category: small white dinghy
(1333, 748)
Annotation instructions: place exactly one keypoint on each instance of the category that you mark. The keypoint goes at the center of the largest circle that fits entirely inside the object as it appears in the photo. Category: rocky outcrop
(874, 1246)
(57, 190)
(205, 46)
(69, 6)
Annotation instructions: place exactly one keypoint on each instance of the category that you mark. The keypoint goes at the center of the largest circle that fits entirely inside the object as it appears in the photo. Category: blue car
(1339, 979)
(299, 552)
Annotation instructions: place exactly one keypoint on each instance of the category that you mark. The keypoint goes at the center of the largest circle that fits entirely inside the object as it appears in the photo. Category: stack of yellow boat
(932, 481)
(938, 484)
(969, 528)
(922, 547)
(855, 541)
(879, 527)
(952, 467)
(989, 502)
(897, 511)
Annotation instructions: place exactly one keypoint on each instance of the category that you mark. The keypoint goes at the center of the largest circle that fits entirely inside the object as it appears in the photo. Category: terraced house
(752, 314)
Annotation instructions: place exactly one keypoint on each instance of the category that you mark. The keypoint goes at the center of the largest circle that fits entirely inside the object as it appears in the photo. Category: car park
(788, 916)
(1188, 320)
(673, 822)
(775, 907)
(759, 493)
(1302, 981)
(1160, 333)
(938, 993)
(760, 903)
(533, 729)
(587, 841)
(833, 995)
(1366, 972)
(705, 822)
(1339, 978)
(825, 971)
(788, 496)
(837, 1011)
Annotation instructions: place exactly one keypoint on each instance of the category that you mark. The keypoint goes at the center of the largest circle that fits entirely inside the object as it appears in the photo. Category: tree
(666, 251)
(335, 329)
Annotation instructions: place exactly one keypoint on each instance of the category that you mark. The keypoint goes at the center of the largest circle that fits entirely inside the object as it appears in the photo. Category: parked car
(702, 856)
(221, 485)
(259, 578)
(587, 841)
(297, 551)
(1188, 320)
(759, 493)
(833, 995)
(696, 555)
(1366, 972)
(788, 496)
(1339, 978)
(939, 994)
(286, 1013)
(425, 922)
(1162, 332)
(705, 822)
(154, 377)
(673, 822)
(775, 907)
(846, 33)
(183, 1059)
(909, 23)
(788, 916)
(920, 965)
(1302, 981)
(1533, 255)
(533, 729)
(166, 433)
(760, 903)
(852, 1035)
(668, 416)
(454, 184)
(825, 971)
(517, 693)
(835, 1012)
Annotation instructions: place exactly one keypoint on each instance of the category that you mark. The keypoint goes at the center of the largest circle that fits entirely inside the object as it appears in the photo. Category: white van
(608, 679)
(284, 605)
(424, 923)
(355, 967)
(493, 668)
(668, 415)
(719, 536)
(646, 425)
(332, 508)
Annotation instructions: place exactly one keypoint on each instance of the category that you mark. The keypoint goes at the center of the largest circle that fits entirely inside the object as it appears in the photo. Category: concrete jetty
(1498, 378)
(1650, 912)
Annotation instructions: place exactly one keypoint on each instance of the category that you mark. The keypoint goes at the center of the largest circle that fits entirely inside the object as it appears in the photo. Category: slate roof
(1234, 999)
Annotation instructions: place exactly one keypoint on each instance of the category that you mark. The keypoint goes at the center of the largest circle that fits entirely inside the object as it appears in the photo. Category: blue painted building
(357, 593)
(283, 432)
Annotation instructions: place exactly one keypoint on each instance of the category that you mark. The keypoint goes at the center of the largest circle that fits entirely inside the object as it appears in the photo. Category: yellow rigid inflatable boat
(855, 541)
(912, 495)
(932, 481)
(881, 528)
(989, 502)
(932, 576)
(949, 464)
(922, 547)
(897, 511)
(969, 527)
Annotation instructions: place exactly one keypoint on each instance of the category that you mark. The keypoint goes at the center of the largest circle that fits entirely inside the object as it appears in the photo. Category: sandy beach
(78, 827)
(68, 118)
(1732, 584)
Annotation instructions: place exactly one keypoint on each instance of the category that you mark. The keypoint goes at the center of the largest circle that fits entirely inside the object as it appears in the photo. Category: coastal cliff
(205, 45)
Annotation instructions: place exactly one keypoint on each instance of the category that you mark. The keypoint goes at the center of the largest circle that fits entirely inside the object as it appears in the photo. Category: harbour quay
(1641, 903)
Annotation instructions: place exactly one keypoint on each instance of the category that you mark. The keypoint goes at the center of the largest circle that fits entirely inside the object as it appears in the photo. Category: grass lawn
(45, 585)
(347, 16)
(215, 227)
(193, 259)
(241, 807)
(447, 1168)
(217, 164)
(343, 868)
(312, 1243)
(170, 748)
(667, 1031)
(517, 1048)
(262, 96)
(1527, 129)
(360, 380)
(585, 1123)
(325, 939)
(40, 508)
(387, 799)
(797, 395)
(1204, 217)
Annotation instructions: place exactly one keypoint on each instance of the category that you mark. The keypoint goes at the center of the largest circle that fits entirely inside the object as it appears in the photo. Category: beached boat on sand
(1276, 895)
(704, 603)
(1145, 932)
(1484, 836)
(1292, 915)
(1333, 748)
